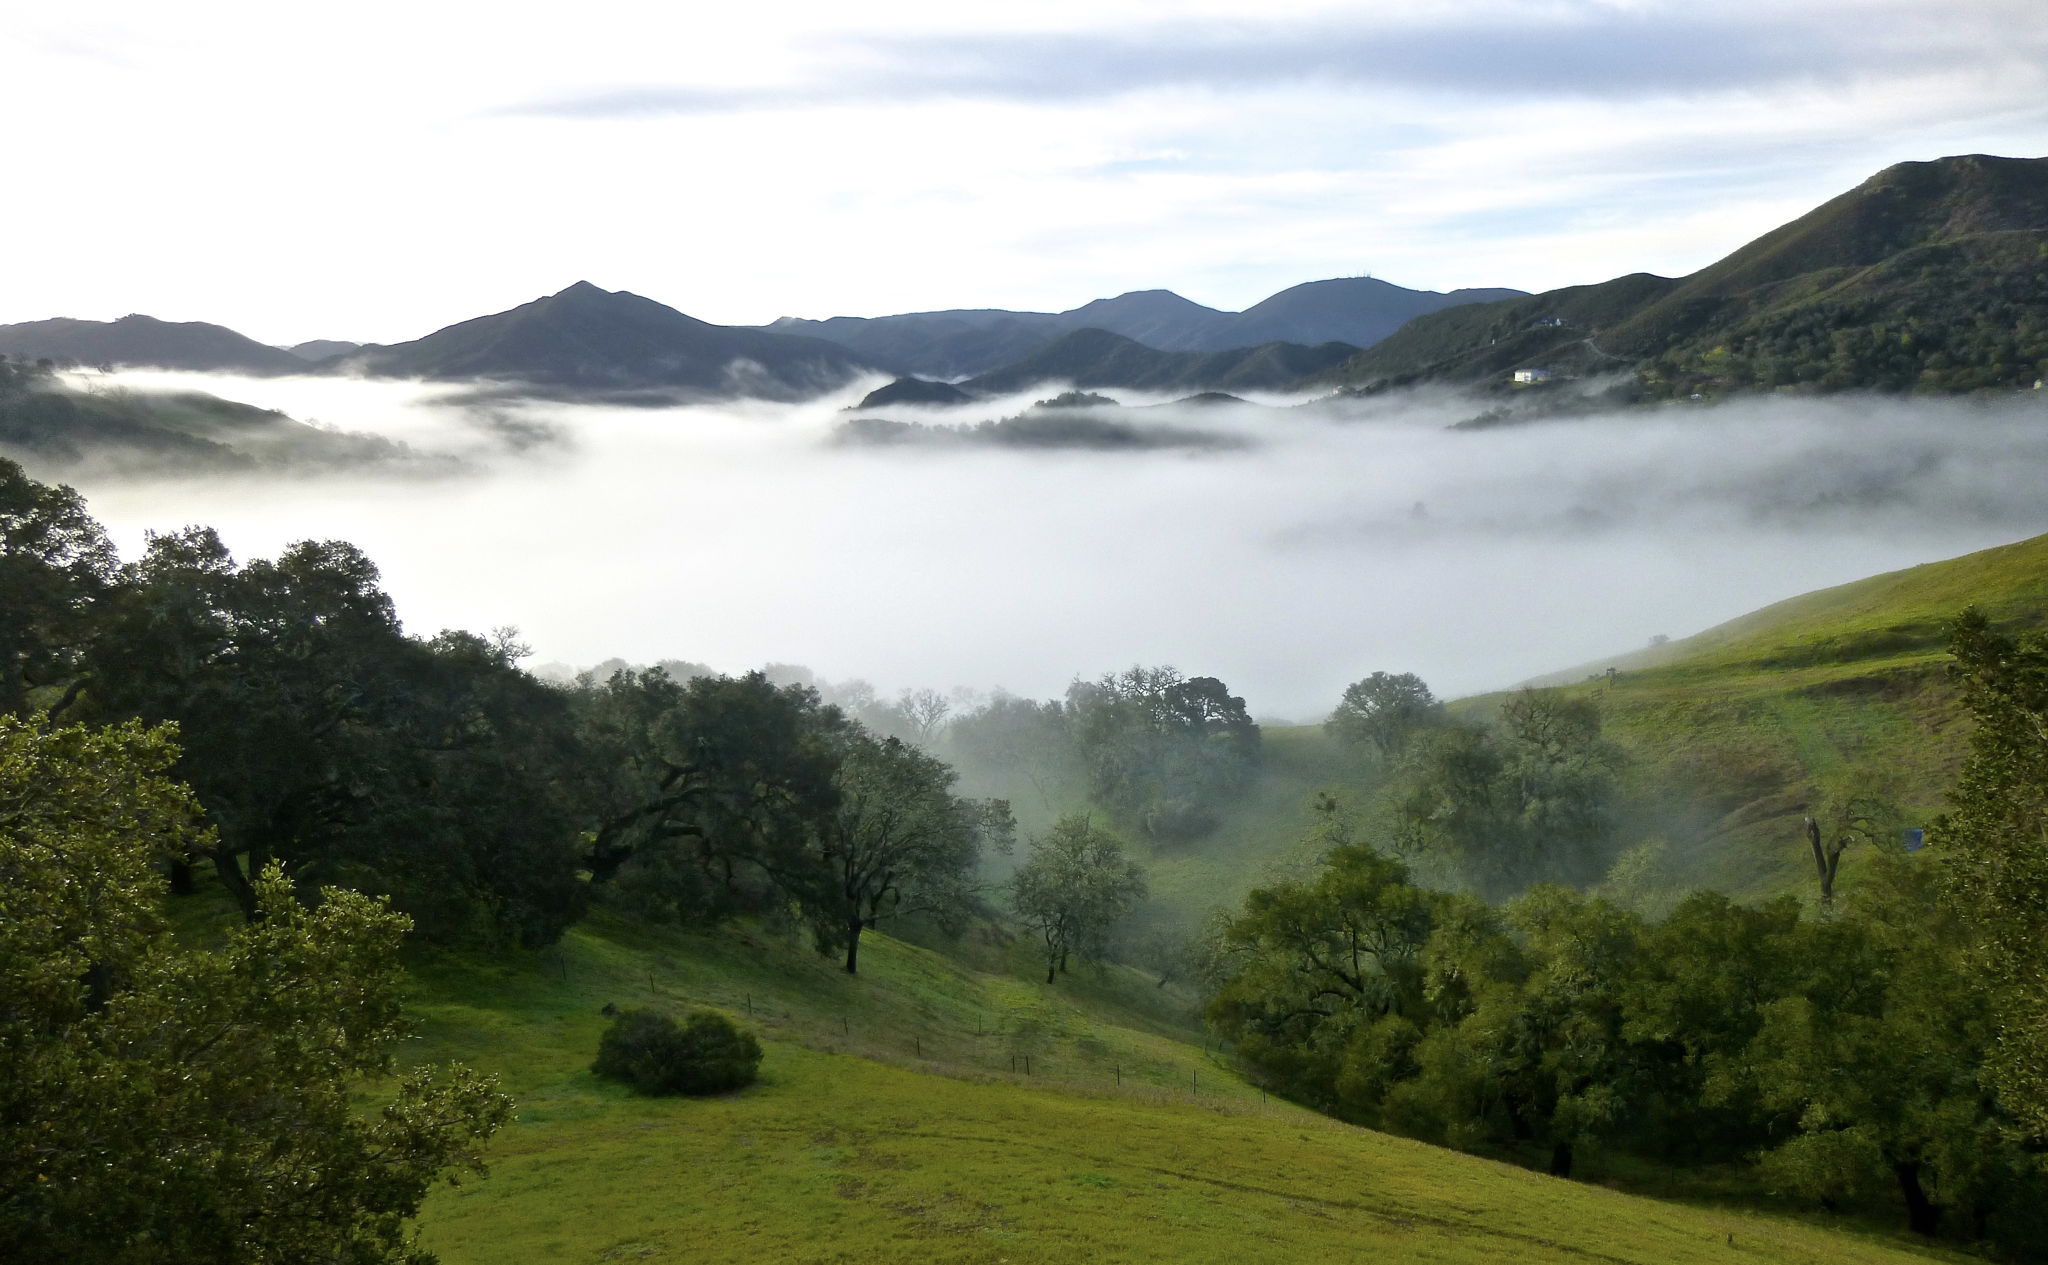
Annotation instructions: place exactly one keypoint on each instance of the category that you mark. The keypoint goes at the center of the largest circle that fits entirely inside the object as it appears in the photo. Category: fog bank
(1327, 546)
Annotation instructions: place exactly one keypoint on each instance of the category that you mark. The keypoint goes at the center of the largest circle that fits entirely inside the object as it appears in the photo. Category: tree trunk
(237, 883)
(1921, 1214)
(1561, 1159)
(1050, 966)
(99, 987)
(1518, 1128)
(853, 927)
(1063, 962)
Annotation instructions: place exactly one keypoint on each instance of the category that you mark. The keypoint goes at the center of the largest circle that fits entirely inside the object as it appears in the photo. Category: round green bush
(704, 1054)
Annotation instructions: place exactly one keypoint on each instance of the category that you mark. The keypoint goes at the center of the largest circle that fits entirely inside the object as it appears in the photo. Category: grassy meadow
(887, 1125)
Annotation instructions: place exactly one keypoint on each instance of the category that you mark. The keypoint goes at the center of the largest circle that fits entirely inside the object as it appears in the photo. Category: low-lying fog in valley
(1328, 544)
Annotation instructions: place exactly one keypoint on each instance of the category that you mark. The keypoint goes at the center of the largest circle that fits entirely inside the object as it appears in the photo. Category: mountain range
(1929, 276)
(585, 340)
(964, 343)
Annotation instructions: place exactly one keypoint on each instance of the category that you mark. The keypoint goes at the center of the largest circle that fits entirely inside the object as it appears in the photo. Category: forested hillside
(1927, 277)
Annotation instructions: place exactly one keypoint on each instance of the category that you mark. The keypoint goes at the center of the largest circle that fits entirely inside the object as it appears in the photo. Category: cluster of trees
(1890, 1043)
(1839, 1056)
(1995, 840)
(316, 733)
(1161, 752)
(1531, 797)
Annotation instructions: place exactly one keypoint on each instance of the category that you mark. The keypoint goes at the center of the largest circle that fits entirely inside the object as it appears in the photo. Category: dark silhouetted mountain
(322, 348)
(914, 391)
(1099, 358)
(935, 344)
(1929, 276)
(145, 341)
(1158, 318)
(1356, 310)
(585, 340)
(953, 344)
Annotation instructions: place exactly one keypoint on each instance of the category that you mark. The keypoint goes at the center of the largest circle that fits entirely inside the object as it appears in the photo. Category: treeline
(1884, 1046)
(492, 807)
(488, 805)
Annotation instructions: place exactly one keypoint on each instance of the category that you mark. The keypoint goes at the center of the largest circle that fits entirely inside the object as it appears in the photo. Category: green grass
(1263, 831)
(1735, 732)
(951, 1157)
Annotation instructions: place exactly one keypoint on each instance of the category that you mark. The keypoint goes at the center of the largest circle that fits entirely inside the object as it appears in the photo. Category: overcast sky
(375, 170)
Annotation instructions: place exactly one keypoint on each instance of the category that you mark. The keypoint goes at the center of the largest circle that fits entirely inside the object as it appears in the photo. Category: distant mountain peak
(587, 339)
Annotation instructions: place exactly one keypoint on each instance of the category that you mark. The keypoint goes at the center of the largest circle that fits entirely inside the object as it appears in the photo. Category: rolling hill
(1929, 276)
(587, 340)
(145, 341)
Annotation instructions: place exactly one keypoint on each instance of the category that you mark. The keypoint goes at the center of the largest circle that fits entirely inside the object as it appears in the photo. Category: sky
(377, 170)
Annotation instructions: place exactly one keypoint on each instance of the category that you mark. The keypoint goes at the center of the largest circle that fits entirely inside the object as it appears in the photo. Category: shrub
(705, 1054)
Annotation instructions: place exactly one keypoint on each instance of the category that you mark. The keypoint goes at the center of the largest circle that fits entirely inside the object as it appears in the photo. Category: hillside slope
(953, 1157)
(1738, 732)
(1928, 276)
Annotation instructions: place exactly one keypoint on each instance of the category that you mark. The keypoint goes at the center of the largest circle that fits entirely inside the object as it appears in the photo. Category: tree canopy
(1161, 751)
(1076, 886)
(160, 1103)
(1995, 835)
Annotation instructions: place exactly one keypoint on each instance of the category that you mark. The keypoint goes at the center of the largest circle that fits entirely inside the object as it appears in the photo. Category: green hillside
(1739, 731)
(1928, 277)
(853, 1147)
